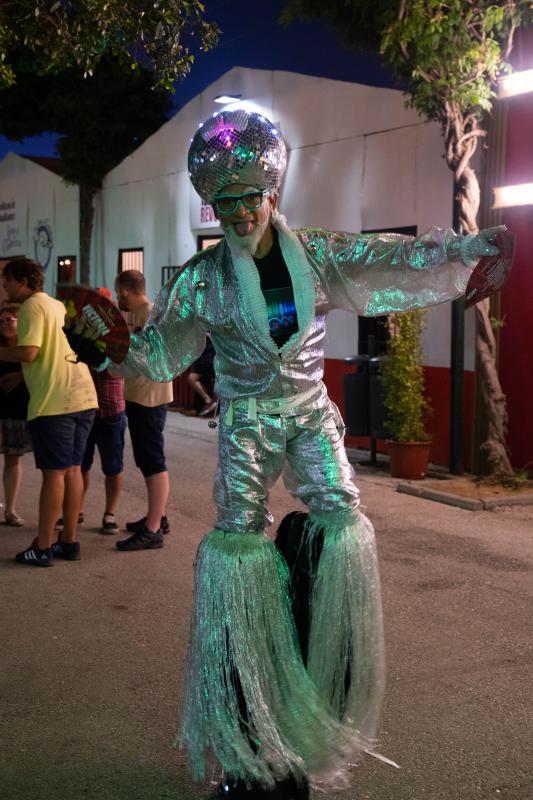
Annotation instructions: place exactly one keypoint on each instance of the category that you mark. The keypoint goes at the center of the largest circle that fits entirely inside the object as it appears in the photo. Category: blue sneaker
(142, 540)
(33, 556)
(140, 525)
(69, 551)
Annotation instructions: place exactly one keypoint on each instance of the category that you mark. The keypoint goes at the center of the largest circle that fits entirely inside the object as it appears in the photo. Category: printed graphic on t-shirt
(281, 311)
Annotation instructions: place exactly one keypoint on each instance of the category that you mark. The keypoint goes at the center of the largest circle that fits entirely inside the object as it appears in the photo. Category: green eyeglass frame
(227, 203)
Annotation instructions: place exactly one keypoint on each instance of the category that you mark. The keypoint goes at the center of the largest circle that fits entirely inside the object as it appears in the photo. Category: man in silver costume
(263, 293)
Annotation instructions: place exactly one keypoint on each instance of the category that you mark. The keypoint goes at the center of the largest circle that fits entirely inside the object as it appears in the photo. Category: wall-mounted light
(521, 194)
(516, 83)
(225, 99)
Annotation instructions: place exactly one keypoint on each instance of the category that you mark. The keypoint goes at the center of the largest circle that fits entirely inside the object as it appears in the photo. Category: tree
(59, 35)
(101, 120)
(448, 55)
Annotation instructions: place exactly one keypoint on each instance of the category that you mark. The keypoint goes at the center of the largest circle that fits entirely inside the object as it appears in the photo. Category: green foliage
(359, 24)
(496, 323)
(522, 479)
(447, 53)
(59, 35)
(402, 376)
(100, 121)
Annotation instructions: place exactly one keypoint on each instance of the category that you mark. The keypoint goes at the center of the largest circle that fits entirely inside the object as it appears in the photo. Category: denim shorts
(107, 434)
(59, 440)
(146, 426)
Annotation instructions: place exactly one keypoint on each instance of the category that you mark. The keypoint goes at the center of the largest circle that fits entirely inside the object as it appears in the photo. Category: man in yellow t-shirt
(60, 412)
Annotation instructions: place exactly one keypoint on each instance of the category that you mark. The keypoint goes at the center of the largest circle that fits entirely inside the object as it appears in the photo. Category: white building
(358, 160)
(38, 213)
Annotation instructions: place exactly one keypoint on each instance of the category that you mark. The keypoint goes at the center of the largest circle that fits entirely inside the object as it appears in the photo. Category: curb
(467, 503)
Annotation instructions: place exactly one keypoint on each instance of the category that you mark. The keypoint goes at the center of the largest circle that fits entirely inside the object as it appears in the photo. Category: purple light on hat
(236, 146)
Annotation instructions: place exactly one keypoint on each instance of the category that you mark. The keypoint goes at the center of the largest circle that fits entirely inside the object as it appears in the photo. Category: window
(131, 258)
(66, 269)
(373, 333)
(203, 242)
(167, 273)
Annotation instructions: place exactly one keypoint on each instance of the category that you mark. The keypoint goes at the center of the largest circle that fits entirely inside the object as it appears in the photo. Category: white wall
(45, 215)
(358, 159)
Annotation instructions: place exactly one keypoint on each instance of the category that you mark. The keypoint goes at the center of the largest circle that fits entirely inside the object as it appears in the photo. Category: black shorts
(59, 440)
(146, 431)
(107, 434)
(204, 363)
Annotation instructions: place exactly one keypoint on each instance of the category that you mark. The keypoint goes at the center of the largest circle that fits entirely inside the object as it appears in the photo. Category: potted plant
(408, 408)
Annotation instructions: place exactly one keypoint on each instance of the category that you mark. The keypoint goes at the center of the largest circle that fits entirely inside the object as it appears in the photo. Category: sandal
(13, 519)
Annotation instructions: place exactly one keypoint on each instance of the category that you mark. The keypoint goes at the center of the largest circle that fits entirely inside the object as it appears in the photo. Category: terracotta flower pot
(408, 460)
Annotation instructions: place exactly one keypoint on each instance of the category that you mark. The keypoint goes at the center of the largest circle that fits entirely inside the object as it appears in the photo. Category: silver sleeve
(379, 273)
(172, 337)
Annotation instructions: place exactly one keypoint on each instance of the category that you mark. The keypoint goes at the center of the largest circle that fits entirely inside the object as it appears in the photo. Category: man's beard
(246, 245)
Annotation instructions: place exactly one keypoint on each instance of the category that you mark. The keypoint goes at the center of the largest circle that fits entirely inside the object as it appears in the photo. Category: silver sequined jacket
(368, 274)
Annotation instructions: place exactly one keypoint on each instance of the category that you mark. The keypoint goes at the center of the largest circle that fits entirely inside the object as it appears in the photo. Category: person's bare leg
(113, 486)
(72, 503)
(12, 476)
(198, 387)
(86, 478)
(50, 502)
(158, 490)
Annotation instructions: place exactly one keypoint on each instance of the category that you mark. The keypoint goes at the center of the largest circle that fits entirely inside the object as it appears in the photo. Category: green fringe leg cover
(242, 627)
(346, 634)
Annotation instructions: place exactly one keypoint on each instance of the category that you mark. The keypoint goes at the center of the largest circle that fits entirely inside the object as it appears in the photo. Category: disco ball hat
(236, 147)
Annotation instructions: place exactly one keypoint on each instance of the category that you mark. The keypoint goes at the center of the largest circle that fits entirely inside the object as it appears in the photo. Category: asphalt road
(92, 653)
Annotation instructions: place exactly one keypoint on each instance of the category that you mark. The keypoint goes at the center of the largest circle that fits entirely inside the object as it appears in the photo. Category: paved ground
(92, 654)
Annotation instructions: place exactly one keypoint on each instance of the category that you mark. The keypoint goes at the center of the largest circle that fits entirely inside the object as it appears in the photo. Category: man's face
(246, 225)
(122, 297)
(16, 292)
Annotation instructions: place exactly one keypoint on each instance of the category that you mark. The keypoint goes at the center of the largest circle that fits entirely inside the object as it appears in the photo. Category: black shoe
(142, 540)
(140, 525)
(109, 524)
(33, 556)
(208, 409)
(59, 523)
(230, 789)
(291, 789)
(69, 551)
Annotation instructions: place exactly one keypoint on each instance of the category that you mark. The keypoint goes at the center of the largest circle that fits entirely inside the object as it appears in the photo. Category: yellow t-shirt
(139, 389)
(56, 385)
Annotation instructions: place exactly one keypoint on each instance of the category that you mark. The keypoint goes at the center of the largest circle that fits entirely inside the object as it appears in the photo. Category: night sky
(252, 37)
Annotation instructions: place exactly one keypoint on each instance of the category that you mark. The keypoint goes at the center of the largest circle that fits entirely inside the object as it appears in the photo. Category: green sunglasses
(227, 203)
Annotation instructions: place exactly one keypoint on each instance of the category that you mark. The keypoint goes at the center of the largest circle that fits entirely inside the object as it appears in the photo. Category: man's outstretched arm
(375, 274)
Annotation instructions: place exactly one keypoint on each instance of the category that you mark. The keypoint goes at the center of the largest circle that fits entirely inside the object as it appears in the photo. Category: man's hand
(83, 338)
(11, 380)
(482, 244)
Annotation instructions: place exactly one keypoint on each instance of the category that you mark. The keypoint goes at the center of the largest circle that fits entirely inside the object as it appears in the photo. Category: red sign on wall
(207, 215)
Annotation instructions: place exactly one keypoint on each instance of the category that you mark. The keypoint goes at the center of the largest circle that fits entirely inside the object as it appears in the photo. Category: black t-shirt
(277, 289)
(14, 404)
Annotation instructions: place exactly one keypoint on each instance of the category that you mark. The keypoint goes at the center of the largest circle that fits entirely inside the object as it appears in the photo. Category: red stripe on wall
(438, 388)
(516, 337)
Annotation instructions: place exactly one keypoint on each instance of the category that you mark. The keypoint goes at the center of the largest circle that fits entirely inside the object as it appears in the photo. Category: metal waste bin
(356, 397)
(365, 413)
(377, 411)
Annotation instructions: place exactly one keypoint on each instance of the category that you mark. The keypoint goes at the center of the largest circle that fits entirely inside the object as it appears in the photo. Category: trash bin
(356, 397)
(377, 411)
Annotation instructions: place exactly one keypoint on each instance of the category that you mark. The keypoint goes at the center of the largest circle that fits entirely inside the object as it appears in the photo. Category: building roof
(53, 164)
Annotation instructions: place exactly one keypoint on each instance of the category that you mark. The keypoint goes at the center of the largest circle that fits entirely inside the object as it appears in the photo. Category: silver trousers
(306, 441)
